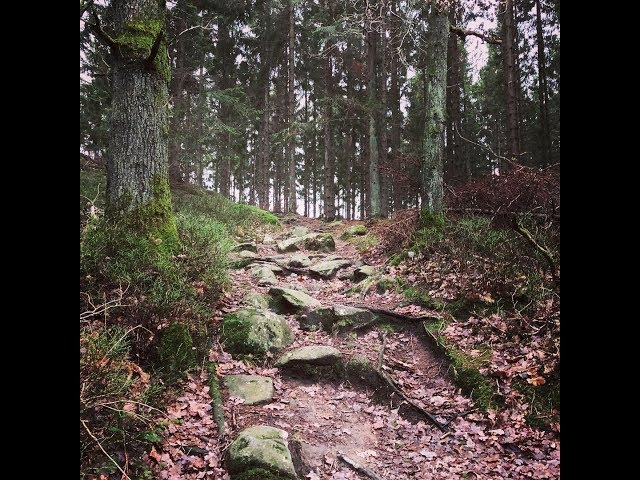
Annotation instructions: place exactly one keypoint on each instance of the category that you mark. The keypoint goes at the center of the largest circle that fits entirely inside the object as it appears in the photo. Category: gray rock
(257, 300)
(328, 268)
(313, 355)
(299, 261)
(288, 300)
(271, 266)
(268, 240)
(337, 316)
(247, 246)
(242, 259)
(253, 389)
(323, 242)
(264, 275)
(255, 332)
(261, 447)
(354, 230)
(299, 232)
(363, 272)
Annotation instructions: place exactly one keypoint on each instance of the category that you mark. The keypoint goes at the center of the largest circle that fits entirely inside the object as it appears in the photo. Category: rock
(353, 230)
(287, 300)
(264, 275)
(247, 246)
(261, 448)
(299, 261)
(328, 268)
(271, 266)
(337, 316)
(299, 232)
(313, 355)
(363, 272)
(255, 332)
(323, 242)
(242, 259)
(257, 300)
(253, 389)
(268, 240)
(290, 245)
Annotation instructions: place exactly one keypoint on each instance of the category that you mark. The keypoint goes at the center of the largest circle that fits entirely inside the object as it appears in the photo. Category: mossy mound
(255, 332)
(321, 243)
(176, 353)
(261, 450)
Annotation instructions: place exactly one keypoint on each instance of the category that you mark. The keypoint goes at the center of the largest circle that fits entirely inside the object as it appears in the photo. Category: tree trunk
(385, 184)
(436, 95)
(396, 113)
(329, 155)
(138, 195)
(374, 166)
(543, 92)
(292, 206)
(511, 81)
(225, 50)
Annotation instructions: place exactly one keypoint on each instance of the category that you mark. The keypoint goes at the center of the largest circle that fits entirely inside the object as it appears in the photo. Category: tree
(138, 200)
(511, 79)
(436, 95)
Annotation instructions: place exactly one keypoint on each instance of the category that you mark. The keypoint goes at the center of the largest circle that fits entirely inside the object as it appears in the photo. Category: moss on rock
(175, 350)
(255, 332)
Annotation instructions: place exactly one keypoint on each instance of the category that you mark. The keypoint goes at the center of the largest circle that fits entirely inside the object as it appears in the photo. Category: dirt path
(328, 415)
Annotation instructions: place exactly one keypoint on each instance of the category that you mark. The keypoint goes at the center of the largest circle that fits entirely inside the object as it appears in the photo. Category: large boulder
(261, 452)
(287, 300)
(328, 268)
(253, 389)
(316, 355)
(255, 332)
(335, 317)
(323, 243)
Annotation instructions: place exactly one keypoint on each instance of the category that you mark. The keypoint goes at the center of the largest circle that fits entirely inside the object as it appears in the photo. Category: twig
(381, 354)
(543, 250)
(359, 468)
(84, 424)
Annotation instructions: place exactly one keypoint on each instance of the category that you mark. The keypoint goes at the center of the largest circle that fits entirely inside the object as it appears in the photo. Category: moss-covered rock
(287, 300)
(175, 350)
(335, 317)
(264, 275)
(363, 272)
(323, 242)
(242, 259)
(299, 232)
(328, 268)
(261, 450)
(354, 230)
(299, 261)
(246, 246)
(255, 332)
(256, 300)
(253, 389)
(317, 355)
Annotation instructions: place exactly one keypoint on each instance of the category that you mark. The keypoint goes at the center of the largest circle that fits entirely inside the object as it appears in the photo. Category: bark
(511, 80)
(138, 193)
(543, 92)
(292, 204)
(436, 94)
(329, 154)
(384, 144)
(374, 166)
(396, 113)
(225, 50)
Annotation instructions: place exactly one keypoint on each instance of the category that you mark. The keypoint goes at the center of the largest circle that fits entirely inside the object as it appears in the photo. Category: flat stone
(256, 300)
(299, 261)
(313, 355)
(253, 389)
(323, 242)
(328, 268)
(271, 266)
(288, 300)
(335, 317)
(261, 447)
(247, 246)
(242, 259)
(299, 232)
(363, 272)
(264, 275)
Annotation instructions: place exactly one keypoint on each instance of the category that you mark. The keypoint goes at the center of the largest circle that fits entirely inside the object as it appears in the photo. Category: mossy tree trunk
(138, 195)
(436, 95)
(374, 166)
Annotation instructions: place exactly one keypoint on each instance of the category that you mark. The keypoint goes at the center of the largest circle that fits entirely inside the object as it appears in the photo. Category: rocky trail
(321, 380)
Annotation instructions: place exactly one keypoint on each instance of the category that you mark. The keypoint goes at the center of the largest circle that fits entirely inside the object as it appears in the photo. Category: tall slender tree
(436, 95)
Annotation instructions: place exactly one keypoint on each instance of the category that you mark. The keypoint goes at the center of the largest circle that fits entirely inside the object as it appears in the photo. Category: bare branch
(462, 33)
(97, 30)
(84, 424)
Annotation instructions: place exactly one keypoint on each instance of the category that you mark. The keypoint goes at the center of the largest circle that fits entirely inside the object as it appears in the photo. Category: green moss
(258, 474)
(543, 400)
(364, 243)
(216, 396)
(466, 369)
(235, 331)
(175, 351)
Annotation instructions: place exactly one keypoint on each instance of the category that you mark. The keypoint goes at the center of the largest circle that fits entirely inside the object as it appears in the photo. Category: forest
(319, 239)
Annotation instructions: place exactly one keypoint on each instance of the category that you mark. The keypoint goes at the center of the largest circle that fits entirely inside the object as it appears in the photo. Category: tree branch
(543, 250)
(155, 48)
(100, 34)
(462, 33)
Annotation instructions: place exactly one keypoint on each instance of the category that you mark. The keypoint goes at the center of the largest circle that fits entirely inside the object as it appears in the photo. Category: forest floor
(329, 415)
